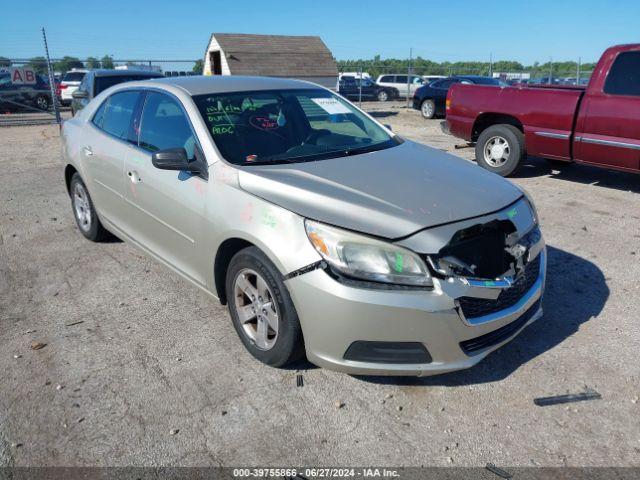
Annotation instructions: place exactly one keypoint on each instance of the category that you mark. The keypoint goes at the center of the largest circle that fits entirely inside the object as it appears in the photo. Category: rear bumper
(334, 316)
(461, 127)
(444, 126)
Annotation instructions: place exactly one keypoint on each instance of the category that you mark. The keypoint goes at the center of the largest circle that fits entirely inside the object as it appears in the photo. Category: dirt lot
(139, 368)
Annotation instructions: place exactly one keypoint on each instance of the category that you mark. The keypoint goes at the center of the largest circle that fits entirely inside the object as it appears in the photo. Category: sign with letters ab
(22, 76)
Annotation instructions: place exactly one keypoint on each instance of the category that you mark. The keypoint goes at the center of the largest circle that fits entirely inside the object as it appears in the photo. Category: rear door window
(102, 83)
(401, 79)
(386, 79)
(164, 125)
(117, 114)
(624, 76)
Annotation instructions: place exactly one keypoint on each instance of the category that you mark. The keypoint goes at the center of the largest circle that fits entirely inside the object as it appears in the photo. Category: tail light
(447, 102)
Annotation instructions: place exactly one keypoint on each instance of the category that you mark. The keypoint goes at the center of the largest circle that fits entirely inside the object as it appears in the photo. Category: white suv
(69, 84)
(399, 82)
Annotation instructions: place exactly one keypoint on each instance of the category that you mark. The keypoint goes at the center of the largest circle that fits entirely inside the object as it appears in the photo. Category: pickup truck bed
(598, 125)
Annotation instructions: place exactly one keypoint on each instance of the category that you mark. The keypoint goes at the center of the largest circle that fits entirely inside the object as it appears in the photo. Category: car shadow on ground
(571, 172)
(576, 292)
(382, 114)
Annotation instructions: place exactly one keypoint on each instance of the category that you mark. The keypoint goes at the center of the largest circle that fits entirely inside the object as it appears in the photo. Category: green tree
(67, 63)
(5, 62)
(107, 61)
(39, 64)
(92, 62)
(198, 67)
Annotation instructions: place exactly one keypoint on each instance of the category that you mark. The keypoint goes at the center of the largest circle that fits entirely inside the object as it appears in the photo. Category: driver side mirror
(176, 159)
(80, 94)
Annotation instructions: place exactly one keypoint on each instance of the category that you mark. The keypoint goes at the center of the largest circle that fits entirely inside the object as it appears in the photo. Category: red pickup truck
(597, 125)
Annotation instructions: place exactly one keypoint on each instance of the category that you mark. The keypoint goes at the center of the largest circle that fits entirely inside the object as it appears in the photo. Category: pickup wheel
(500, 149)
(428, 109)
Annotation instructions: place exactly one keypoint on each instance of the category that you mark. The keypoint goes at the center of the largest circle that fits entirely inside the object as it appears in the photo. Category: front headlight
(365, 258)
(534, 210)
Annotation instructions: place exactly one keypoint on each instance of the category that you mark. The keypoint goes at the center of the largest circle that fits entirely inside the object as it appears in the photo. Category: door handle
(87, 151)
(134, 177)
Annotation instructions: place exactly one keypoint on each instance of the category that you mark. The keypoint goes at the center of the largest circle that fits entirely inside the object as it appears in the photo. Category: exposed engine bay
(486, 251)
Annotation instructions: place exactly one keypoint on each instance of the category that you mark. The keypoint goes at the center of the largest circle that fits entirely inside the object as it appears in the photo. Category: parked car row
(386, 87)
(355, 88)
(95, 81)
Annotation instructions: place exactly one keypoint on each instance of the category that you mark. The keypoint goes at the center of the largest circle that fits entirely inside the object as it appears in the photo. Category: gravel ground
(139, 368)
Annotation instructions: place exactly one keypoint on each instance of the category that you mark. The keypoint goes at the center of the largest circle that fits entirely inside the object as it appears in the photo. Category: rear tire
(84, 211)
(428, 109)
(42, 102)
(383, 96)
(258, 297)
(501, 149)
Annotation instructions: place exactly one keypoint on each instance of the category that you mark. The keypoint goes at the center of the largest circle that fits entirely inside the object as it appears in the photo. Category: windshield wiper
(366, 149)
(343, 152)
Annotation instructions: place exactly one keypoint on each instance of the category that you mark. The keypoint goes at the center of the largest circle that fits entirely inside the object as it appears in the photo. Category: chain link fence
(564, 73)
(39, 100)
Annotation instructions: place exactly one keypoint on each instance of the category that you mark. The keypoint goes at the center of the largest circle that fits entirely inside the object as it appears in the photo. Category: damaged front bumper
(403, 331)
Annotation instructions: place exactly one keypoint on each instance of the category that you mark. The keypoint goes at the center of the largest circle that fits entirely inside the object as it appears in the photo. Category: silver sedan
(325, 233)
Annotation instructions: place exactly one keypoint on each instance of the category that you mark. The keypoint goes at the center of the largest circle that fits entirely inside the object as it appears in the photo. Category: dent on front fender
(278, 232)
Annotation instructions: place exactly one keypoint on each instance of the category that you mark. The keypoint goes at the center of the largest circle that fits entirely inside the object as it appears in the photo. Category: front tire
(428, 109)
(261, 309)
(501, 149)
(84, 211)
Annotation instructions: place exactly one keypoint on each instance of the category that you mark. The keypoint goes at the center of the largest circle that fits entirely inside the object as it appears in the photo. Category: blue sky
(439, 30)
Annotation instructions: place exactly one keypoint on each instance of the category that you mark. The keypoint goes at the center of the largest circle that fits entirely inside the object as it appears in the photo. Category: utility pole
(360, 86)
(491, 64)
(52, 85)
(409, 75)
(550, 70)
(578, 72)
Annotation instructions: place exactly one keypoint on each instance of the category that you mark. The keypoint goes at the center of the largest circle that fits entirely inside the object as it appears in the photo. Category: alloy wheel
(496, 151)
(42, 103)
(82, 207)
(256, 308)
(427, 109)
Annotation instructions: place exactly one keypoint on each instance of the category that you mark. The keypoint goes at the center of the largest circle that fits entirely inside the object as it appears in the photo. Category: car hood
(389, 193)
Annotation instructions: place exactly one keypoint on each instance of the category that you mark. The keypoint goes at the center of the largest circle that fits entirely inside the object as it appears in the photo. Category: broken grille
(473, 307)
(476, 345)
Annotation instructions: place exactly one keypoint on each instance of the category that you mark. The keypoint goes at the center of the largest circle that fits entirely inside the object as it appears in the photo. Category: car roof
(201, 85)
(470, 76)
(115, 73)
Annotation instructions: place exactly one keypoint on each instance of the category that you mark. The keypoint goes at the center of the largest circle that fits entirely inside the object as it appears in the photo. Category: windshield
(279, 126)
(488, 81)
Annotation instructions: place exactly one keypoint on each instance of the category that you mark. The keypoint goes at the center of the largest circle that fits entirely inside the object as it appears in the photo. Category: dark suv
(24, 97)
(349, 87)
(95, 81)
